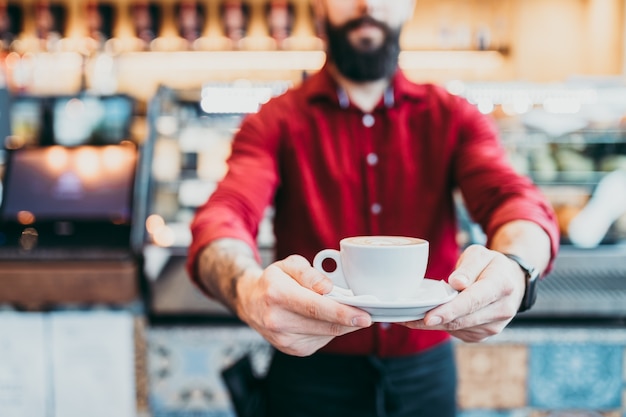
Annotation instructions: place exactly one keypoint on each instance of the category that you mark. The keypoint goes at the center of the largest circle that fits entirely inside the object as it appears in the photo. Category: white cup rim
(415, 241)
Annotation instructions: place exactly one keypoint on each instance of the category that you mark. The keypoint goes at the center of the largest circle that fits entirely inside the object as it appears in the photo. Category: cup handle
(337, 275)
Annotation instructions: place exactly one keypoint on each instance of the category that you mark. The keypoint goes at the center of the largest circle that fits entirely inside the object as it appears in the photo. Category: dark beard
(361, 63)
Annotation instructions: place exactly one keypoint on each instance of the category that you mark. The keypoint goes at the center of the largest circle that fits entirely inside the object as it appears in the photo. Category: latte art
(384, 241)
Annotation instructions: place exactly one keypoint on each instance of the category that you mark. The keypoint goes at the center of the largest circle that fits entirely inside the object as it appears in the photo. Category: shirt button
(368, 120)
(376, 208)
(372, 159)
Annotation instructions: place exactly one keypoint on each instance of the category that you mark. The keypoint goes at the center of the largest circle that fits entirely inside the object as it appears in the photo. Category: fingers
(470, 266)
(322, 309)
(288, 307)
(299, 321)
(482, 294)
(460, 316)
(474, 294)
(297, 334)
(483, 308)
(293, 323)
(310, 304)
(474, 327)
(295, 295)
(301, 270)
(480, 333)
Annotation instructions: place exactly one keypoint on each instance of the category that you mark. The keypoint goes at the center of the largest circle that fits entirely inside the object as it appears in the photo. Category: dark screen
(84, 183)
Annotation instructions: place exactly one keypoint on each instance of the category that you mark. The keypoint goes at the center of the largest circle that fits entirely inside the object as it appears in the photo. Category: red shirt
(332, 171)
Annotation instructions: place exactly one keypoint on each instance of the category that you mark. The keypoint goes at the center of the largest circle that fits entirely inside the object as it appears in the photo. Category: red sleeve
(238, 204)
(493, 192)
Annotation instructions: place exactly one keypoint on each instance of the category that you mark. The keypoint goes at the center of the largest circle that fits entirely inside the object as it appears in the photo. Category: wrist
(531, 278)
(240, 286)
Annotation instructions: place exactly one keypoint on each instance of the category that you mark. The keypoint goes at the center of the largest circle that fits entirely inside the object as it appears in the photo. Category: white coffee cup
(387, 267)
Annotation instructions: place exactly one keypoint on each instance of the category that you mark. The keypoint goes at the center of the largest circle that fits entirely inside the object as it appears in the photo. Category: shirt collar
(322, 86)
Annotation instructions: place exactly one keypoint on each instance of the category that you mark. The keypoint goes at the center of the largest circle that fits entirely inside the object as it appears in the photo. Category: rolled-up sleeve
(493, 192)
(240, 200)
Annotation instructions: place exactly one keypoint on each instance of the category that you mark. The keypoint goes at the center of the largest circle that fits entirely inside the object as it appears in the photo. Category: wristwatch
(532, 277)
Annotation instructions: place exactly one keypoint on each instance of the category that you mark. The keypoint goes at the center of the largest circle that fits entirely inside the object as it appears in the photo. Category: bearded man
(358, 149)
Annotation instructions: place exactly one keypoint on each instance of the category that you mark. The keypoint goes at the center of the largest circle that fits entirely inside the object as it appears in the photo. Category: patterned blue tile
(184, 366)
(494, 413)
(575, 376)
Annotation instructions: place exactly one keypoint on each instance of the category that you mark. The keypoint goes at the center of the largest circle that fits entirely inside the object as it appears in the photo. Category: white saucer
(432, 294)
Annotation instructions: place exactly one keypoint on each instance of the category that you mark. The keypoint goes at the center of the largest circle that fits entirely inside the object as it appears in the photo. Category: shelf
(573, 178)
(590, 136)
(259, 60)
(455, 59)
(297, 60)
(140, 73)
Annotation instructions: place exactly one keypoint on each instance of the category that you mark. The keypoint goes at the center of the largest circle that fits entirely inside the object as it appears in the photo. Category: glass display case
(570, 139)
(189, 141)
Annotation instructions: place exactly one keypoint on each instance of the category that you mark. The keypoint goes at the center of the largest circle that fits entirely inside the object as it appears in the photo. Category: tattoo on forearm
(221, 265)
(233, 284)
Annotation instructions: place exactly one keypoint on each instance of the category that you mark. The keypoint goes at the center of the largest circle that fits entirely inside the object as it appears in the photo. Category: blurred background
(116, 119)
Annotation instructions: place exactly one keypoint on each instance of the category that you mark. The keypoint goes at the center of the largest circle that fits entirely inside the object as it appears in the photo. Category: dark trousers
(325, 385)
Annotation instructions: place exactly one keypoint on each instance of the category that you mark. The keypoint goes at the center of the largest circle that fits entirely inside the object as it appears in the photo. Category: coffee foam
(384, 241)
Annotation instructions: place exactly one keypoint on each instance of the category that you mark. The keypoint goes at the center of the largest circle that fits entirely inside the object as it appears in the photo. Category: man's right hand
(285, 304)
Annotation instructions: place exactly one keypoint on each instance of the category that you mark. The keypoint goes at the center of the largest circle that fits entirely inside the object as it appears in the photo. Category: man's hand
(491, 287)
(286, 306)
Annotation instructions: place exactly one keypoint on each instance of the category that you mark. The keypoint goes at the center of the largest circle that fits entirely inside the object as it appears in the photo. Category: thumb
(470, 265)
(458, 281)
(298, 268)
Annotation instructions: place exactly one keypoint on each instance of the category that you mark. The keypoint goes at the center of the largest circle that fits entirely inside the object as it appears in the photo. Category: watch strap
(531, 275)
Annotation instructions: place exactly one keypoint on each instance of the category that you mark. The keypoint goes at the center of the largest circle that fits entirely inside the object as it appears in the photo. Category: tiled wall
(184, 365)
(524, 372)
(544, 373)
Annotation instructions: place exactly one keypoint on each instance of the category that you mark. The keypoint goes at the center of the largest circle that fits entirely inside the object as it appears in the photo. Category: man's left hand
(491, 287)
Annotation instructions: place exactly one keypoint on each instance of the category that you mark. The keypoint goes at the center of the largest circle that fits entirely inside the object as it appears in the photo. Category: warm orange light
(164, 237)
(87, 163)
(115, 157)
(12, 60)
(14, 142)
(154, 222)
(57, 158)
(25, 217)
